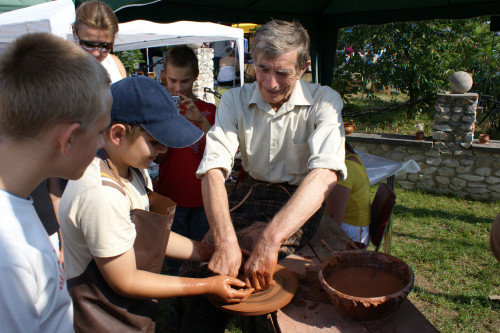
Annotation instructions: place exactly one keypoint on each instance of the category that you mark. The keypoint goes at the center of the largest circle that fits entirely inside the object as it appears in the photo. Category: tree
(130, 59)
(417, 58)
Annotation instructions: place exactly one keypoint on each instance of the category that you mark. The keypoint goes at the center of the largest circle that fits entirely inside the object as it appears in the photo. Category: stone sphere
(460, 82)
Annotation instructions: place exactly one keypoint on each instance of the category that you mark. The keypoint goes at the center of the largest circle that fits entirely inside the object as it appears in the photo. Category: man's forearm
(306, 200)
(217, 207)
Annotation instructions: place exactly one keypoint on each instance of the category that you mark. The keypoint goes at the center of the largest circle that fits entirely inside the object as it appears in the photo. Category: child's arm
(121, 274)
(183, 248)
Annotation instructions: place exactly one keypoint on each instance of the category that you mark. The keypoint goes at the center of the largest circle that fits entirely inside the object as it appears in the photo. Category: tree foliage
(416, 58)
(130, 59)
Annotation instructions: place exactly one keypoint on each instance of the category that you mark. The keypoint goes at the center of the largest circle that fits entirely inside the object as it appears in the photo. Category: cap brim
(175, 132)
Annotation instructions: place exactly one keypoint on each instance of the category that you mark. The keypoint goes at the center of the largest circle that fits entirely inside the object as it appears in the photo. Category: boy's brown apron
(97, 308)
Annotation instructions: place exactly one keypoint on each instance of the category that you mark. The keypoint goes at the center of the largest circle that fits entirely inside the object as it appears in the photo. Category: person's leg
(354, 233)
(180, 225)
(198, 223)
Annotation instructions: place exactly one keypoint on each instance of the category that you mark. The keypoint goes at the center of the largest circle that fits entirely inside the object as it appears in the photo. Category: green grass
(445, 241)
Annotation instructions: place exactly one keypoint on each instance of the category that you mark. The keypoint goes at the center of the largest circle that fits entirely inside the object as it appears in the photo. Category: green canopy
(8, 5)
(322, 18)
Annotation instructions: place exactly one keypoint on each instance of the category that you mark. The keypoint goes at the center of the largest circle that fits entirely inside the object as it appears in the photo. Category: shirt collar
(299, 96)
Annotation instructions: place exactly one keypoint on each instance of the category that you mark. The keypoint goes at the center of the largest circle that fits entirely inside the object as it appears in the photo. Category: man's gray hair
(277, 37)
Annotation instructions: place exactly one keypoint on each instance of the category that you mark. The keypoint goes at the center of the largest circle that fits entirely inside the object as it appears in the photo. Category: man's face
(276, 77)
(180, 80)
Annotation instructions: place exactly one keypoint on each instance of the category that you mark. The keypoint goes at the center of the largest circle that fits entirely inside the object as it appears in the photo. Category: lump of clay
(460, 82)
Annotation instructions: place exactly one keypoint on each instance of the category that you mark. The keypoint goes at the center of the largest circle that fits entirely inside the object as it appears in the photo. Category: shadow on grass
(482, 301)
(426, 213)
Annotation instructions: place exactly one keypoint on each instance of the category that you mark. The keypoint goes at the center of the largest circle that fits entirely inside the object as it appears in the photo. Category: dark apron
(97, 308)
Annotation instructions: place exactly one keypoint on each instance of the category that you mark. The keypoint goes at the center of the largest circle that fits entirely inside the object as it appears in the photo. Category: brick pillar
(454, 120)
(206, 76)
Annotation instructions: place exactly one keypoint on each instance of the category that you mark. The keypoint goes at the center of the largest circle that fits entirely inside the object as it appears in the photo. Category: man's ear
(303, 69)
(117, 134)
(66, 138)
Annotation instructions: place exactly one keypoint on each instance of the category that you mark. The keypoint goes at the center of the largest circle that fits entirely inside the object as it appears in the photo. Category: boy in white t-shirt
(99, 233)
(54, 107)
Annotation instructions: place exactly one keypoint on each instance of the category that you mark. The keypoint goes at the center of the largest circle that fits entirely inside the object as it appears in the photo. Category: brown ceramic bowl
(484, 139)
(349, 127)
(364, 285)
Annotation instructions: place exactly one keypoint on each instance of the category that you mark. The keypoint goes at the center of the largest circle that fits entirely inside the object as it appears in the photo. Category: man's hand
(226, 259)
(260, 267)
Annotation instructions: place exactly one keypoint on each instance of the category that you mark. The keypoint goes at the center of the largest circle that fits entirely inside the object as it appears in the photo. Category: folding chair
(381, 211)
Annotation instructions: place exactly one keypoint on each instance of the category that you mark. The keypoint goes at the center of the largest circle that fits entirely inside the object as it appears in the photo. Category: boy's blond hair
(45, 80)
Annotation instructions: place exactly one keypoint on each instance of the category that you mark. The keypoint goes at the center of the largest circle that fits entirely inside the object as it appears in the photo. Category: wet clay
(365, 285)
(266, 301)
(364, 282)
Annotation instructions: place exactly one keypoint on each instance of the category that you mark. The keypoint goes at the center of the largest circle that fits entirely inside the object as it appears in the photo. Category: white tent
(54, 17)
(142, 34)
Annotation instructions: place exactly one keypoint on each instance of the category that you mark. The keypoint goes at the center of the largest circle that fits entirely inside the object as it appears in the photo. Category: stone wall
(451, 161)
(206, 76)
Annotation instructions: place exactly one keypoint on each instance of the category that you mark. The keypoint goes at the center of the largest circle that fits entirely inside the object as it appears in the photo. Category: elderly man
(291, 139)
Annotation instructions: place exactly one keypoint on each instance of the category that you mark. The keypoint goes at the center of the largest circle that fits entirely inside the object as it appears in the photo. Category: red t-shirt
(177, 178)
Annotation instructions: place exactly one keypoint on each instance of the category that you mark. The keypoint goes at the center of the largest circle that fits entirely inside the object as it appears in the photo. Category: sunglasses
(90, 46)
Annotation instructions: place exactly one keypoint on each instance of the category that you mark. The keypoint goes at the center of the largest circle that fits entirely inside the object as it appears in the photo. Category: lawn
(445, 241)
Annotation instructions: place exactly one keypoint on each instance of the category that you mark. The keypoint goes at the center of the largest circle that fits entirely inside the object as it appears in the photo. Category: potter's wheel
(266, 301)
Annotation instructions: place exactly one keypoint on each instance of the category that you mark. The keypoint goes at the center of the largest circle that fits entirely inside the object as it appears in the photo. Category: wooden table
(310, 309)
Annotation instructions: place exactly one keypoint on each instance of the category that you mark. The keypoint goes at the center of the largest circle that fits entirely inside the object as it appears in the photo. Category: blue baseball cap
(144, 101)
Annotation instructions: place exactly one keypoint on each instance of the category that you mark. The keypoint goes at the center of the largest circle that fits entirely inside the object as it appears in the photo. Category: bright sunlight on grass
(445, 241)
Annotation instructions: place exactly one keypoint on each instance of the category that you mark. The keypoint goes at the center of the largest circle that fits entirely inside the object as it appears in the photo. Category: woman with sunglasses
(94, 30)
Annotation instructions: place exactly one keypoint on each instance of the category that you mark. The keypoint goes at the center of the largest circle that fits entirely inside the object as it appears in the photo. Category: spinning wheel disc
(266, 301)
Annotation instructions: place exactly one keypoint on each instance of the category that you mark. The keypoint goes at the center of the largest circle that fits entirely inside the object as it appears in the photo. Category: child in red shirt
(177, 177)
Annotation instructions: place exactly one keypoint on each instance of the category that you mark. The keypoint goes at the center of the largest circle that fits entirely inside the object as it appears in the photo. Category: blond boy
(54, 106)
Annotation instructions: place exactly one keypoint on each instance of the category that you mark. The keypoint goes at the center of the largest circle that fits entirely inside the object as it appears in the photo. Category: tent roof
(54, 17)
(141, 34)
(8, 5)
(346, 13)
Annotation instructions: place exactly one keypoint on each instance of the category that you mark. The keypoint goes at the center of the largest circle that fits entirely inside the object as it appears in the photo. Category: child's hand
(222, 287)
(192, 112)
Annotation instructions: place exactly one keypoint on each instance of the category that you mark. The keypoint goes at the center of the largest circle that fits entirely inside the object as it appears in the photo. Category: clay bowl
(348, 127)
(420, 136)
(364, 285)
(484, 139)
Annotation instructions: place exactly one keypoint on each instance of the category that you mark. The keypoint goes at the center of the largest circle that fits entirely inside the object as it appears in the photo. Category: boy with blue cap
(116, 230)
